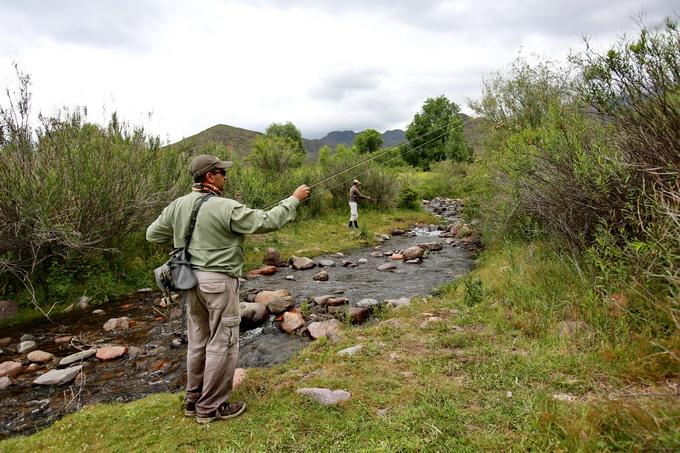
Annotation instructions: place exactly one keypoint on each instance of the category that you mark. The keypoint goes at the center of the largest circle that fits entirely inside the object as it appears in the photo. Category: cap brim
(224, 164)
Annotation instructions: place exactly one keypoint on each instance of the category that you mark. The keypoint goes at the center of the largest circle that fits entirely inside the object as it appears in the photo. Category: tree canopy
(368, 141)
(436, 133)
(289, 131)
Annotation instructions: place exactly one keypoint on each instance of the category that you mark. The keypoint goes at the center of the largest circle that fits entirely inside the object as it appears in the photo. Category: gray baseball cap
(203, 163)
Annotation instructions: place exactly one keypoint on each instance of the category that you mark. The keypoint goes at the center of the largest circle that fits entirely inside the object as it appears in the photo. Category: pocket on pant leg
(229, 327)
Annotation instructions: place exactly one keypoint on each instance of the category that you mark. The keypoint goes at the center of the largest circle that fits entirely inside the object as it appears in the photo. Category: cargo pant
(213, 320)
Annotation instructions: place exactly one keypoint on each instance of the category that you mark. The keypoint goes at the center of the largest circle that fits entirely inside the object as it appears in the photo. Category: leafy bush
(73, 191)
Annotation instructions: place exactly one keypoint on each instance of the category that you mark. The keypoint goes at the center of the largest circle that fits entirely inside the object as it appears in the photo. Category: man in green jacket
(216, 251)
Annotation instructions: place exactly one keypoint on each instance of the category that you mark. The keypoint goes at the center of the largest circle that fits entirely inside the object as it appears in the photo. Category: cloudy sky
(179, 67)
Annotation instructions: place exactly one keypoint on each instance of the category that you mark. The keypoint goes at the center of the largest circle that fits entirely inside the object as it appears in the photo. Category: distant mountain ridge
(241, 141)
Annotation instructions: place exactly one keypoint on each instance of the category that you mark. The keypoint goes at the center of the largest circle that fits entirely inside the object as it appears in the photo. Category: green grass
(494, 375)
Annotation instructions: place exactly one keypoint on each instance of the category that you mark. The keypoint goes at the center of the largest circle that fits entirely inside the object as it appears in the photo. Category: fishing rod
(375, 156)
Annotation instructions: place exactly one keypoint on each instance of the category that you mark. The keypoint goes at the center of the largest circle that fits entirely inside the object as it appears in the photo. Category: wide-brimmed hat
(203, 163)
(356, 181)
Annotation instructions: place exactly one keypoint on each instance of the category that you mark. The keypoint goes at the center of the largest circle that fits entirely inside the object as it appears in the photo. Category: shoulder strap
(190, 231)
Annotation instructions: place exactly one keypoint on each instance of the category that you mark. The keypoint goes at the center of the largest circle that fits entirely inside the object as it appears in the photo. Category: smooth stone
(77, 357)
(56, 377)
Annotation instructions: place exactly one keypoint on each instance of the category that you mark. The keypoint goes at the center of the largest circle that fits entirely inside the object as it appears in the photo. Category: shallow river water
(153, 366)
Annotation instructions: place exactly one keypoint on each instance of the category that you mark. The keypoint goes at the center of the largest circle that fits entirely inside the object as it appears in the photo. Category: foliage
(290, 131)
(275, 154)
(368, 141)
(73, 191)
(445, 179)
(408, 197)
(324, 155)
(435, 134)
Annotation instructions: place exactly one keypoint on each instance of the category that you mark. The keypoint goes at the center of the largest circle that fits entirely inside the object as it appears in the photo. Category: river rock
(239, 377)
(327, 263)
(98, 312)
(335, 301)
(57, 377)
(321, 276)
(272, 257)
(264, 270)
(8, 309)
(110, 352)
(321, 300)
(10, 368)
(27, 346)
(77, 357)
(398, 232)
(280, 304)
(376, 255)
(253, 312)
(387, 267)
(292, 320)
(27, 337)
(349, 264)
(431, 246)
(323, 329)
(117, 324)
(303, 263)
(4, 341)
(7, 381)
(413, 253)
(368, 303)
(362, 261)
(357, 315)
(398, 303)
(63, 339)
(325, 396)
(40, 356)
(351, 351)
(397, 256)
(263, 297)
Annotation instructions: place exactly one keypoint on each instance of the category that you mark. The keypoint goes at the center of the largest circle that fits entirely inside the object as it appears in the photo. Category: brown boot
(225, 411)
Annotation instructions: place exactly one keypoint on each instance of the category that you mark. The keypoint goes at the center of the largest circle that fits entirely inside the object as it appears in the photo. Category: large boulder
(263, 297)
(280, 304)
(253, 313)
(292, 321)
(413, 253)
(324, 329)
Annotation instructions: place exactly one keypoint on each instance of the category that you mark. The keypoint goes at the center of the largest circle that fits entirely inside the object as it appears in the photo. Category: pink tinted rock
(40, 356)
(110, 352)
(10, 368)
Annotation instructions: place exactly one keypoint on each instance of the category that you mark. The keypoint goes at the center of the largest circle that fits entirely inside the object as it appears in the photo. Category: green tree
(435, 134)
(368, 141)
(289, 131)
(324, 155)
(275, 154)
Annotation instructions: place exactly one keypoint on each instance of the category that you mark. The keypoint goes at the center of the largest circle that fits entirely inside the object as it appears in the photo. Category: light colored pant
(213, 320)
(353, 211)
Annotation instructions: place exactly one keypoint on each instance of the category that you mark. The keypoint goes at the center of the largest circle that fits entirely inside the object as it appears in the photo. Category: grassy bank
(498, 371)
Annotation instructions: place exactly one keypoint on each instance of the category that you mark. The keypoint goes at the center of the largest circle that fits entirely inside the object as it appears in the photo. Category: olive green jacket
(217, 242)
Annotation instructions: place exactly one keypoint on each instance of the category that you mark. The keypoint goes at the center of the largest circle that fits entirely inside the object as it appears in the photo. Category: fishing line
(375, 156)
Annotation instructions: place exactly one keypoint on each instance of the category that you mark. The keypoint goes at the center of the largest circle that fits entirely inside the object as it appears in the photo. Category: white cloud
(321, 64)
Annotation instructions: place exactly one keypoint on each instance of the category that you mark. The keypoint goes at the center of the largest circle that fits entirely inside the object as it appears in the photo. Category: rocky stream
(127, 349)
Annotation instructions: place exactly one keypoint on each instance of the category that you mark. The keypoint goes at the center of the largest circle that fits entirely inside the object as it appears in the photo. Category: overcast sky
(323, 65)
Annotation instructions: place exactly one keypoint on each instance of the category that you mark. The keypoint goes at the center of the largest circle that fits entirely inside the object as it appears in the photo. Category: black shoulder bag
(175, 274)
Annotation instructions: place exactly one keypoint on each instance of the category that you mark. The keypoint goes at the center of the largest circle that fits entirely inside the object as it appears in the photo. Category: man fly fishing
(216, 252)
(354, 196)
